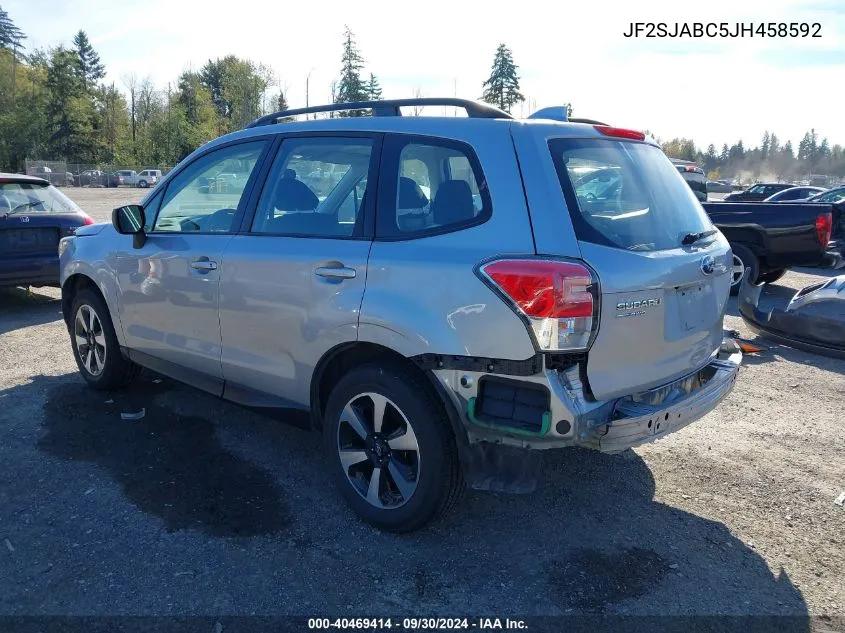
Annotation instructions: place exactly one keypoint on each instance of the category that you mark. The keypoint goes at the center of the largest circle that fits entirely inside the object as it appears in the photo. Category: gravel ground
(204, 508)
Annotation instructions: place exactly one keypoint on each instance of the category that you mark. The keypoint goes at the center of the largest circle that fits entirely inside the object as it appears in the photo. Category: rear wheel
(743, 259)
(142, 184)
(772, 276)
(391, 447)
(95, 346)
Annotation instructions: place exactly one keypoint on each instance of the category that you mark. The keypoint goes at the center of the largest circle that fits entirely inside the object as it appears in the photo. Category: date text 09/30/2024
(417, 624)
(723, 29)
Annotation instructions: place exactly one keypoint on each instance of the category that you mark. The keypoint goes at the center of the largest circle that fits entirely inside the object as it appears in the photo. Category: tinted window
(205, 196)
(625, 194)
(32, 197)
(833, 196)
(315, 188)
(435, 186)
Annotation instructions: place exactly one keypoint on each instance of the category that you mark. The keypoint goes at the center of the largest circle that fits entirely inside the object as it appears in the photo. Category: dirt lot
(204, 508)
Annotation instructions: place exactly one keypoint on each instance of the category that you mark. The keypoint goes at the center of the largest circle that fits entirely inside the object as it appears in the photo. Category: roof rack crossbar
(390, 107)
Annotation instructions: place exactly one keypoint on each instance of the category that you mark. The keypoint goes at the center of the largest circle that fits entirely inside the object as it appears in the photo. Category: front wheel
(392, 449)
(142, 184)
(743, 259)
(95, 346)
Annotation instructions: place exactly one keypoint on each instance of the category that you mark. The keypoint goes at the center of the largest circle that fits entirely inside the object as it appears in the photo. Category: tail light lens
(619, 132)
(555, 297)
(87, 219)
(824, 227)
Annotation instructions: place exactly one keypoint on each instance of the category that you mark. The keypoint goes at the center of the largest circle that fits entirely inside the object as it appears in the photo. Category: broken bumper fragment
(814, 320)
(648, 416)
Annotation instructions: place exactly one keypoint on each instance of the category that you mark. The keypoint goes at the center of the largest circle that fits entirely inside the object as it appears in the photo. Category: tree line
(54, 104)
(769, 160)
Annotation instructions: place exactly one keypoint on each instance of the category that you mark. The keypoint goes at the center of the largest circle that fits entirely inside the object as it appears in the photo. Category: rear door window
(626, 194)
(430, 186)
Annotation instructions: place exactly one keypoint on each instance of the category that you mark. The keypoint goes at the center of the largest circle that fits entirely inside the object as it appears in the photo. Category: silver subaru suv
(445, 295)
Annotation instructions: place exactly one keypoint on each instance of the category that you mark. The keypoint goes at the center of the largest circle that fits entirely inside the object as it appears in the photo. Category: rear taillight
(555, 297)
(824, 227)
(620, 132)
(87, 219)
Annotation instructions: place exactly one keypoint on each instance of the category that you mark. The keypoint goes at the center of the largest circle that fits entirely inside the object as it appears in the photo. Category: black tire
(142, 184)
(772, 276)
(438, 480)
(113, 370)
(744, 257)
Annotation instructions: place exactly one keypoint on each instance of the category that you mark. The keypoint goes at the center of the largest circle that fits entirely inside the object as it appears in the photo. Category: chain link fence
(63, 174)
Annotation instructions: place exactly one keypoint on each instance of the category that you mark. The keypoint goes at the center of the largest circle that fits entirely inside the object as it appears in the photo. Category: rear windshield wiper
(692, 238)
(21, 207)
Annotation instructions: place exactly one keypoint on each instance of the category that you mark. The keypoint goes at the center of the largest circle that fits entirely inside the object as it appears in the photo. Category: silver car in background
(444, 294)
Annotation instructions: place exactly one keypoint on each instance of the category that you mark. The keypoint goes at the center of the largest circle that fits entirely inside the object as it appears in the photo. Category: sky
(713, 90)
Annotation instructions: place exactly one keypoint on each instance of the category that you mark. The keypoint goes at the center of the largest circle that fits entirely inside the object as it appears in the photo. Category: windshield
(34, 197)
(831, 196)
(627, 195)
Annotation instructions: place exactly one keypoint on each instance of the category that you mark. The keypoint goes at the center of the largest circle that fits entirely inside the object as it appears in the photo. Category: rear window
(626, 194)
(33, 197)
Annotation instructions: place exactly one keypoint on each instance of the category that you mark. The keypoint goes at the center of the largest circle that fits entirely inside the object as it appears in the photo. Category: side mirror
(130, 220)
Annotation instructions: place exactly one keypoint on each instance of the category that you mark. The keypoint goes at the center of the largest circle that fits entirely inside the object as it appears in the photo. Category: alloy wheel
(378, 450)
(90, 340)
(737, 271)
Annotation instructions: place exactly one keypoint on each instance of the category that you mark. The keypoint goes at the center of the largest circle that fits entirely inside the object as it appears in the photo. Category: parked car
(795, 193)
(719, 186)
(769, 238)
(34, 215)
(148, 178)
(758, 192)
(92, 178)
(432, 339)
(126, 178)
(55, 178)
(694, 176)
(836, 199)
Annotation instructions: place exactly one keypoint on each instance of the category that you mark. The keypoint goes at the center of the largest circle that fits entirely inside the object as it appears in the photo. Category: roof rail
(390, 107)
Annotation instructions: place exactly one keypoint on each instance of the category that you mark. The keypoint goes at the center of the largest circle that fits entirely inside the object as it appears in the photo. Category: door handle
(204, 264)
(332, 272)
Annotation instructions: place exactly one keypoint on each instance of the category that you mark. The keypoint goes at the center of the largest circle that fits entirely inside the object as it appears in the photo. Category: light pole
(307, 82)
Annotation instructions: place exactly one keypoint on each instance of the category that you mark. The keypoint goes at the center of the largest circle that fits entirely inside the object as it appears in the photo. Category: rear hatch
(663, 292)
(33, 217)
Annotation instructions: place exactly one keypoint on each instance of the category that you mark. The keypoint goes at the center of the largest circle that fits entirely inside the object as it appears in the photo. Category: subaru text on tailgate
(445, 295)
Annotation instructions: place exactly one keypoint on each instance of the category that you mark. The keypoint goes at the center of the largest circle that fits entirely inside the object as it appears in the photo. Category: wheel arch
(74, 284)
(341, 358)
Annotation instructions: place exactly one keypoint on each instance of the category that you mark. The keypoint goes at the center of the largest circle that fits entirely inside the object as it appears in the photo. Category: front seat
(411, 197)
(452, 203)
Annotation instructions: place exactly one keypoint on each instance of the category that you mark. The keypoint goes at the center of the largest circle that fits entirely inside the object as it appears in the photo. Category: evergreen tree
(351, 87)
(11, 36)
(69, 110)
(764, 147)
(502, 87)
(787, 150)
(723, 157)
(89, 67)
(373, 88)
(281, 101)
(774, 144)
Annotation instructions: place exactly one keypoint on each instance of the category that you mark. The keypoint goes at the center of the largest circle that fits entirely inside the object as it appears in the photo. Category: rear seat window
(626, 194)
(432, 186)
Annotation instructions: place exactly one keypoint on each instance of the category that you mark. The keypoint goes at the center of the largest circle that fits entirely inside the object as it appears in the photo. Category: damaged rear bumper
(797, 325)
(648, 416)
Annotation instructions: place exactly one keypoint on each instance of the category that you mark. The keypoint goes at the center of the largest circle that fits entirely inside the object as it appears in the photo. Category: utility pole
(307, 82)
(168, 123)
